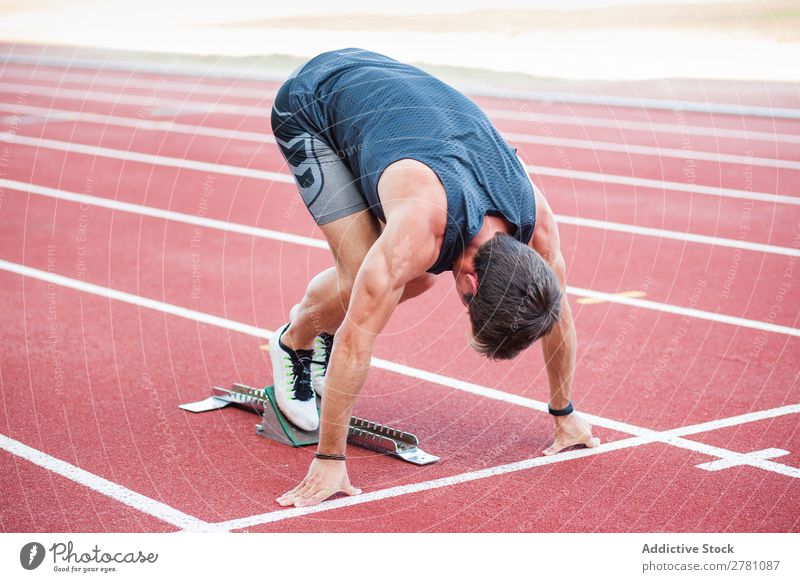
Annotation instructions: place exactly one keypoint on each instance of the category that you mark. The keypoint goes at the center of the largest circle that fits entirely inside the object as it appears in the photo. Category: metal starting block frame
(274, 425)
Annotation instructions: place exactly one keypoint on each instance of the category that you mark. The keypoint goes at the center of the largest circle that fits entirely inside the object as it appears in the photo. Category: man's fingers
(552, 449)
(317, 497)
(293, 492)
(350, 490)
(559, 445)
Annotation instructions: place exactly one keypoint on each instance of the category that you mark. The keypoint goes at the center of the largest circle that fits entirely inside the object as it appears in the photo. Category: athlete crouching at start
(407, 178)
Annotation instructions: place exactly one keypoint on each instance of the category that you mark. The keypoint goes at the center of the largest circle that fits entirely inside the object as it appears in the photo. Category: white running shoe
(291, 372)
(323, 344)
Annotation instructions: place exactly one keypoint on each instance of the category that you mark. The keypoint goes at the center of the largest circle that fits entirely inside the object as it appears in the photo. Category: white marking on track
(649, 127)
(221, 90)
(172, 107)
(115, 491)
(752, 458)
(646, 438)
(641, 150)
(131, 156)
(139, 124)
(180, 106)
(262, 174)
(546, 96)
(317, 243)
(662, 185)
(258, 93)
(643, 435)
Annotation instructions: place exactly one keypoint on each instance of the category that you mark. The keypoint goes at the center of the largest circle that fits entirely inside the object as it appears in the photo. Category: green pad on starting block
(274, 424)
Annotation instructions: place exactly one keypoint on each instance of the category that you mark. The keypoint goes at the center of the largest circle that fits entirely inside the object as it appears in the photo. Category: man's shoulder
(411, 189)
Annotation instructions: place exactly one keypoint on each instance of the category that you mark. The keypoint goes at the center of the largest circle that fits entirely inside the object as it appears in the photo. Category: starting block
(274, 425)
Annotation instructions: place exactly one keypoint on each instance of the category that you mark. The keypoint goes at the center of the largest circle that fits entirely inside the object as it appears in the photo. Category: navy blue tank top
(373, 111)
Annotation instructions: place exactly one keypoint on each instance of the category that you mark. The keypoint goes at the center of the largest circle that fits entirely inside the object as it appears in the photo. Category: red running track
(96, 382)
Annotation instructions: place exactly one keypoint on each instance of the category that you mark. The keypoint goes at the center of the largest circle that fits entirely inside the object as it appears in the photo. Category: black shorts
(326, 184)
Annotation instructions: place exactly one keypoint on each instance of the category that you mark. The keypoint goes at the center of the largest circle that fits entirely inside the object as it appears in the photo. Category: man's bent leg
(325, 302)
(331, 195)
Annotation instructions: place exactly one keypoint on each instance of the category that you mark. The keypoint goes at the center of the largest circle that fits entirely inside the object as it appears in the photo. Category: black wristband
(563, 411)
(329, 457)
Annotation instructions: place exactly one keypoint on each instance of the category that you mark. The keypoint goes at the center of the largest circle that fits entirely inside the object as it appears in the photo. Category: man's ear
(472, 282)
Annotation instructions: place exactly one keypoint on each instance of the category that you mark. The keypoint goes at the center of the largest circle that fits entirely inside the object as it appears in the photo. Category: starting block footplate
(274, 425)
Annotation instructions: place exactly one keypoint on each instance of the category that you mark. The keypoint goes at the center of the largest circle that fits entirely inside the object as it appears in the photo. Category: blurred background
(564, 39)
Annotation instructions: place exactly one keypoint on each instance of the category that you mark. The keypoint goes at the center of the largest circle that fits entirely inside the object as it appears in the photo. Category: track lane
(701, 214)
(620, 345)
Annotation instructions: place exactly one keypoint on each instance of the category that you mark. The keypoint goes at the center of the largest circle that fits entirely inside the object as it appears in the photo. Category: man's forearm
(343, 383)
(559, 348)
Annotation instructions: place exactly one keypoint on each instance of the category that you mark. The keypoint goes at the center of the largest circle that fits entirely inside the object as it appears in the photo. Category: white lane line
(263, 333)
(677, 235)
(644, 435)
(755, 455)
(317, 243)
(582, 121)
(662, 185)
(649, 127)
(733, 421)
(138, 123)
(588, 144)
(182, 106)
(24, 75)
(402, 369)
(400, 490)
(164, 214)
(685, 311)
(737, 109)
(632, 149)
(264, 138)
(535, 170)
(240, 73)
(130, 156)
(108, 488)
(737, 458)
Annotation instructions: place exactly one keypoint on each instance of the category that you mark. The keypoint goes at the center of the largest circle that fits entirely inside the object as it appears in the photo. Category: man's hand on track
(571, 430)
(324, 478)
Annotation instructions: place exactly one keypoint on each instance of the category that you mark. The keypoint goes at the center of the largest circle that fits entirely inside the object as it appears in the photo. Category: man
(407, 178)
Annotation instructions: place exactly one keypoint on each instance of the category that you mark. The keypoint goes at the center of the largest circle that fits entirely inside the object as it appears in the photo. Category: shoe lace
(326, 343)
(300, 369)
(327, 346)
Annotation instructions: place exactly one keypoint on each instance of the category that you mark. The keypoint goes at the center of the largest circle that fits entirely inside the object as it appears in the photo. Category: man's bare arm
(559, 347)
(403, 252)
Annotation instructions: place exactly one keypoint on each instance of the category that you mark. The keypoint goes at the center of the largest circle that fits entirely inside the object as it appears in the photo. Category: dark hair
(518, 298)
